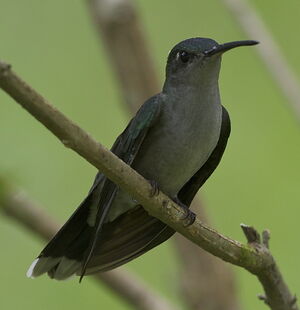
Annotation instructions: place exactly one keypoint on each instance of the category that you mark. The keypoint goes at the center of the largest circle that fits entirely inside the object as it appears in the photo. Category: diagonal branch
(255, 257)
(20, 208)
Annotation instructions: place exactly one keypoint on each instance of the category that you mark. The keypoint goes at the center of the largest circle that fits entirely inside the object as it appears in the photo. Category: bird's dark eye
(184, 56)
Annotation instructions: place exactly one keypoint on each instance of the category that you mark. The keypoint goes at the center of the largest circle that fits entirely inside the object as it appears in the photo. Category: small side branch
(258, 260)
(251, 234)
(277, 293)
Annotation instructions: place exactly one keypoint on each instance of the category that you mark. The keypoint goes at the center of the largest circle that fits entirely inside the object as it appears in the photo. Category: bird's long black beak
(221, 48)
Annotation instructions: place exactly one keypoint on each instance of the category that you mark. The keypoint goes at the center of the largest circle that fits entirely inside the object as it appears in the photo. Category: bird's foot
(189, 216)
(154, 188)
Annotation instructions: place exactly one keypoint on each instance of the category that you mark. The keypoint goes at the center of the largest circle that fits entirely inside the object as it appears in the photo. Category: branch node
(189, 218)
(251, 234)
(67, 143)
(293, 301)
(4, 67)
(263, 298)
(266, 238)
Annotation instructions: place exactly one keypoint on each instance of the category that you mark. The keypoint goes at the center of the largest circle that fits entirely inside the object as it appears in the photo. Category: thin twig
(277, 295)
(253, 25)
(127, 286)
(256, 259)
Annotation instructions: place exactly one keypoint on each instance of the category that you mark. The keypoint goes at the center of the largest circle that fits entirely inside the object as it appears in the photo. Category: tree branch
(19, 207)
(256, 258)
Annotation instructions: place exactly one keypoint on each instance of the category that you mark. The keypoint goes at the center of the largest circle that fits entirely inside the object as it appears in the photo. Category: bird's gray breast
(180, 143)
(175, 148)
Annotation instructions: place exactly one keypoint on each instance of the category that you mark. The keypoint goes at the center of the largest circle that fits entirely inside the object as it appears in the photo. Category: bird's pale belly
(172, 165)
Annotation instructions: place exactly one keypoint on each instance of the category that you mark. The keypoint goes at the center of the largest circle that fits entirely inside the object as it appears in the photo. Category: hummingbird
(176, 140)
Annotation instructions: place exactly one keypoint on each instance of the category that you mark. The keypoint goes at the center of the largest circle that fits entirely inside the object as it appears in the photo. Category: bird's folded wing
(128, 236)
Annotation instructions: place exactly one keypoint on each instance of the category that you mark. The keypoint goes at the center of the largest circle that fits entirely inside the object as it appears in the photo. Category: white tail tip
(29, 272)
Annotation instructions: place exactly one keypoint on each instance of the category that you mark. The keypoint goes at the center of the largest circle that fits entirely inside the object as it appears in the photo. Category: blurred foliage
(53, 46)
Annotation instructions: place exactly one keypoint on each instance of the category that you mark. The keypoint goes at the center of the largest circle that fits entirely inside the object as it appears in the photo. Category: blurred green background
(54, 47)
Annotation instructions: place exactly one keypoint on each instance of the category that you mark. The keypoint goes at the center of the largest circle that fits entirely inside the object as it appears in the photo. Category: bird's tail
(125, 238)
(63, 255)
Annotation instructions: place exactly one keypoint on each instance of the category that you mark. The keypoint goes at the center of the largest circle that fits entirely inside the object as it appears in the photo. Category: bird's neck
(193, 98)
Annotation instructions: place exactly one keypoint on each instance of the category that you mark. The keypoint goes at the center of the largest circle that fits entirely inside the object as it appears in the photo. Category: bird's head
(197, 60)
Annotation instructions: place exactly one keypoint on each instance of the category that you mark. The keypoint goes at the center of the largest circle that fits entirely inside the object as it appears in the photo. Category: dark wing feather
(124, 239)
(74, 229)
(126, 147)
(190, 189)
